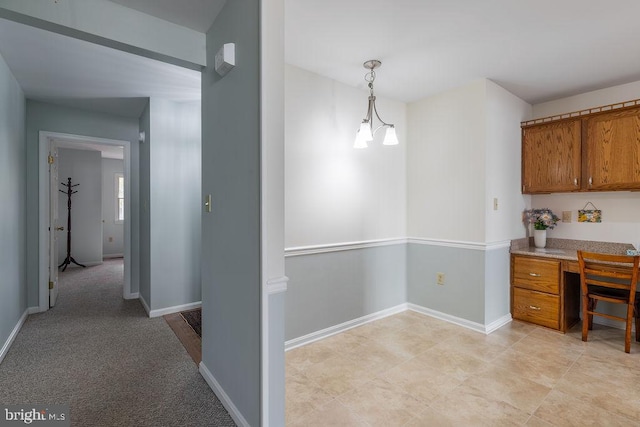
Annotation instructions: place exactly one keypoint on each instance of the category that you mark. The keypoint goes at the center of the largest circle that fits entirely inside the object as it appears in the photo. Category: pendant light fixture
(366, 131)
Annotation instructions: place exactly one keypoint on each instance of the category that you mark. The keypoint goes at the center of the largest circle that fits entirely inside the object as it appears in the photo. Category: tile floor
(414, 370)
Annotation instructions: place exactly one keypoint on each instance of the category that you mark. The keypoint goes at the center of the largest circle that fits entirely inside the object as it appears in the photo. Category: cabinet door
(613, 151)
(551, 157)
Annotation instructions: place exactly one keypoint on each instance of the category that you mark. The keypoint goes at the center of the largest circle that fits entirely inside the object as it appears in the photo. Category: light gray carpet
(101, 355)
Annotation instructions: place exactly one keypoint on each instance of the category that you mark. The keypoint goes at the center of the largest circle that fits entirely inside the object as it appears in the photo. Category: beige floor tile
(436, 330)
(607, 370)
(341, 342)
(563, 410)
(475, 343)
(338, 374)
(505, 385)
(382, 404)
(304, 357)
(433, 417)
(550, 348)
(376, 356)
(458, 364)
(303, 396)
(537, 422)
(468, 403)
(612, 397)
(333, 414)
(543, 371)
(406, 343)
(418, 379)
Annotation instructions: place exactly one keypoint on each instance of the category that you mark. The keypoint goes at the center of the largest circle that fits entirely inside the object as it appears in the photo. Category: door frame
(43, 212)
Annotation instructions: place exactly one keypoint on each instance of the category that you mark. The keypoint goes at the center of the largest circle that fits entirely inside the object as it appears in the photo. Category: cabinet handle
(533, 307)
(575, 181)
(535, 274)
(590, 181)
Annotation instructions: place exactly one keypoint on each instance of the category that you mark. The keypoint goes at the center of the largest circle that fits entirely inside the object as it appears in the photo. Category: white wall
(445, 165)
(504, 111)
(333, 192)
(620, 219)
(111, 229)
(85, 168)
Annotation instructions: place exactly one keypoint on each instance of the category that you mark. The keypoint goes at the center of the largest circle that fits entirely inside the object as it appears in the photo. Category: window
(119, 198)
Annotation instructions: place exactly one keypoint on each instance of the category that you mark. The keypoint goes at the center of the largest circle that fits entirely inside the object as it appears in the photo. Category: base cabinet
(542, 292)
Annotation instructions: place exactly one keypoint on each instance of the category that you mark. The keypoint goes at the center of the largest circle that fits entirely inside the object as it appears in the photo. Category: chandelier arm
(378, 116)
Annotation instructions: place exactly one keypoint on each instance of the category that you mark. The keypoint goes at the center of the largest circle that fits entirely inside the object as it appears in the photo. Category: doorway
(52, 139)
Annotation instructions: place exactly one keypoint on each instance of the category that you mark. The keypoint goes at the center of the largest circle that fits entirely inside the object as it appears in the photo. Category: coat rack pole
(69, 259)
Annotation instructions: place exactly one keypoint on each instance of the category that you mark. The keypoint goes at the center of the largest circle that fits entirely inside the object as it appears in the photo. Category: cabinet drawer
(536, 307)
(537, 274)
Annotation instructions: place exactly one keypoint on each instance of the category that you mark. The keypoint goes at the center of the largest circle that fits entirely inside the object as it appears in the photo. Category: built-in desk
(545, 283)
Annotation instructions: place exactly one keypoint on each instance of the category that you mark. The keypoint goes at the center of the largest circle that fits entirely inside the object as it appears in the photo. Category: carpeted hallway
(105, 358)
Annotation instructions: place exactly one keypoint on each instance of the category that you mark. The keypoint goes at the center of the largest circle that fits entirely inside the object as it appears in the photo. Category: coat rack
(69, 259)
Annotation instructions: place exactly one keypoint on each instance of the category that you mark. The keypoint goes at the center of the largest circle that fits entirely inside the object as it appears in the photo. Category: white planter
(540, 238)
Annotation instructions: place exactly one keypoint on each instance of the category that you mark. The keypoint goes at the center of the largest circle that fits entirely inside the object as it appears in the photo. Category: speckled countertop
(566, 248)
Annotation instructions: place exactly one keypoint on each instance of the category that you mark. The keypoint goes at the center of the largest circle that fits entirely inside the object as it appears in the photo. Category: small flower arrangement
(541, 218)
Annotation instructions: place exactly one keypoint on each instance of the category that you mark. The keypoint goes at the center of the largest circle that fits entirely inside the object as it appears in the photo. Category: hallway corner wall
(13, 190)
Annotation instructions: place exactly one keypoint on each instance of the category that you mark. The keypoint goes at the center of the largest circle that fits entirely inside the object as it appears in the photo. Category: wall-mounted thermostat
(225, 58)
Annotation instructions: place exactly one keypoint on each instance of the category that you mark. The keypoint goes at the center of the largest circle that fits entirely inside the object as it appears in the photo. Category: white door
(54, 229)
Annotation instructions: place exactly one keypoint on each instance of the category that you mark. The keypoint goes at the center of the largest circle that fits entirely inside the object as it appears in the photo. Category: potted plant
(542, 219)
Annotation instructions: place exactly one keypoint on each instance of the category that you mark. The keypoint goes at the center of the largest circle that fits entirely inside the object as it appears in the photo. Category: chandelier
(366, 131)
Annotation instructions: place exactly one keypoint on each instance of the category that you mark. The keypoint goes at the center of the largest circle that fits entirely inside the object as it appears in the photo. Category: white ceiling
(537, 49)
(195, 14)
(59, 69)
(107, 151)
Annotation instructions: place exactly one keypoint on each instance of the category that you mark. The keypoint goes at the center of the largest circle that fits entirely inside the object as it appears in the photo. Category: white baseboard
(111, 256)
(325, 333)
(474, 326)
(134, 295)
(175, 309)
(144, 305)
(224, 398)
(12, 336)
(34, 310)
(497, 324)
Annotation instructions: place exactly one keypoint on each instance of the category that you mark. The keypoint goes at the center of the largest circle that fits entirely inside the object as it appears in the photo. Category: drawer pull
(535, 274)
(533, 307)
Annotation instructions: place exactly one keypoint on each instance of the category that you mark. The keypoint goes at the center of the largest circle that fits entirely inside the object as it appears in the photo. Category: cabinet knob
(534, 274)
(533, 307)
(590, 181)
(575, 181)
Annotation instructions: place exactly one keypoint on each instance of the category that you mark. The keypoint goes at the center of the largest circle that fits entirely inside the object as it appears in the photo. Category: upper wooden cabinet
(551, 157)
(597, 151)
(612, 148)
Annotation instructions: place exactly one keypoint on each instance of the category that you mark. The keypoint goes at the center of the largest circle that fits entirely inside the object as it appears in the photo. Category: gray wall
(174, 203)
(84, 167)
(145, 217)
(463, 293)
(53, 118)
(331, 288)
(13, 190)
(231, 233)
(111, 229)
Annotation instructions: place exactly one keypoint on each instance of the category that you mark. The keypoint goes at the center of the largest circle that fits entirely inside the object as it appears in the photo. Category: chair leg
(638, 322)
(585, 317)
(627, 332)
(592, 307)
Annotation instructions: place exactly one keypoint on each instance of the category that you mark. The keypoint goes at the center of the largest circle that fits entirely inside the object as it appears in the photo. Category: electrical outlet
(495, 203)
(566, 216)
(110, 239)
(440, 278)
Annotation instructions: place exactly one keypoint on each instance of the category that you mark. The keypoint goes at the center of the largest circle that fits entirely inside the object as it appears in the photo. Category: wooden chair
(611, 278)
